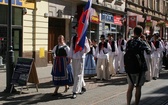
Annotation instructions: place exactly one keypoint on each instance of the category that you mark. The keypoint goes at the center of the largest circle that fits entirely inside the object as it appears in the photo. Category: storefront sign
(107, 17)
(117, 20)
(132, 21)
(94, 16)
(20, 3)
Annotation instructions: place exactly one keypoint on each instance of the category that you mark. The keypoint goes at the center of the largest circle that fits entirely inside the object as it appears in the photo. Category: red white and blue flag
(82, 27)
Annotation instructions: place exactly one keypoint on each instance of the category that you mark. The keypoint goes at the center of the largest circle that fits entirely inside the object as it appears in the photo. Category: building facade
(37, 24)
(150, 14)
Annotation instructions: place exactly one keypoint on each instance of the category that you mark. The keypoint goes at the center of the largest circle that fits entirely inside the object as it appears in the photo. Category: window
(150, 4)
(139, 2)
(17, 16)
(164, 6)
(3, 14)
(157, 6)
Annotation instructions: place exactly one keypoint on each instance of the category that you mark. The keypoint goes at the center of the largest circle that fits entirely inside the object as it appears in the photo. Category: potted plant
(161, 24)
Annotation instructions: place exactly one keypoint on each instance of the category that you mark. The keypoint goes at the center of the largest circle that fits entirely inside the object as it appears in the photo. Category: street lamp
(10, 53)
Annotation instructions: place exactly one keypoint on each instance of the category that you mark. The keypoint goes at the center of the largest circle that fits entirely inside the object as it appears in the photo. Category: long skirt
(61, 72)
(90, 66)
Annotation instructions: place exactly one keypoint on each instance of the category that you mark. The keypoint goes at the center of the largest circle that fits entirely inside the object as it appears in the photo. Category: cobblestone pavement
(112, 92)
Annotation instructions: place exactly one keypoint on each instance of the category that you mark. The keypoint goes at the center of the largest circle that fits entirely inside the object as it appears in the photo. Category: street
(112, 92)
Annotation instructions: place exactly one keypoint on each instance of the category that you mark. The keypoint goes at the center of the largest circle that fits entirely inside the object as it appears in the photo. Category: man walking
(101, 54)
(135, 64)
(78, 60)
(119, 63)
(112, 54)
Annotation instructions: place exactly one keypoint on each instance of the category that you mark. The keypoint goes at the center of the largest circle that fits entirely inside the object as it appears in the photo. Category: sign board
(117, 20)
(25, 71)
(132, 21)
(20, 3)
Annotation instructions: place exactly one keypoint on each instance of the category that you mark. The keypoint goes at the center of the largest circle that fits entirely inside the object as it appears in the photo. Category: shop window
(17, 16)
(3, 14)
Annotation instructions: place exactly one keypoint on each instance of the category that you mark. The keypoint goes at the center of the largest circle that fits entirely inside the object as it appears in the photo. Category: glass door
(17, 43)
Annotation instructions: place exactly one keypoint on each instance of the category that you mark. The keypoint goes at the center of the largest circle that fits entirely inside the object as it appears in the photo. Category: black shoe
(74, 96)
(154, 78)
(83, 89)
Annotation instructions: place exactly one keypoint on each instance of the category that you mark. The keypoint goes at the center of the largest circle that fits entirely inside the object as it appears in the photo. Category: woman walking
(61, 71)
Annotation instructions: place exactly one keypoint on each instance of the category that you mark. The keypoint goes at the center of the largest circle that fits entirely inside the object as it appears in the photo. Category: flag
(82, 27)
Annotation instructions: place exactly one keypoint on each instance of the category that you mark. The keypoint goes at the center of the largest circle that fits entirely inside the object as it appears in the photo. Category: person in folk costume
(166, 55)
(94, 42)
(102, 57)
(112, 54)
(119, 63)
(78, 62)
(161, 53)
(90, 66)
(156, 56)
(61, 73)
(148, 59)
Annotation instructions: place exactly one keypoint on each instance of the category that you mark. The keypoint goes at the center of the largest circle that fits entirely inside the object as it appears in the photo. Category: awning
(94, 17)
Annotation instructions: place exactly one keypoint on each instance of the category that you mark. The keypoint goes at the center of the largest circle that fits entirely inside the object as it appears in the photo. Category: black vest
(100, 44)
(60, 51)
(112, 44)
(122, 43)
(74, 42)
(156, 44)
(91, 50)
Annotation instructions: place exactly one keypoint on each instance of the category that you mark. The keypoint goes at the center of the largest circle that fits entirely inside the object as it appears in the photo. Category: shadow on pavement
(25, 99)
(163, 74)
(117, 80)
(48, 84)
(159, 96)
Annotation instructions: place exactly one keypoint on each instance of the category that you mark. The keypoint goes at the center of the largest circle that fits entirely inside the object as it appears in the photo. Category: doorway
(56, 28)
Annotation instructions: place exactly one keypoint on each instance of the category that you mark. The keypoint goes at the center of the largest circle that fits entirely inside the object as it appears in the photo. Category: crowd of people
(103, 60)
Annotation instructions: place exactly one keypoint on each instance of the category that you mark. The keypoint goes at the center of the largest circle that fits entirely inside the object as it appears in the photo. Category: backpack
(132, 62)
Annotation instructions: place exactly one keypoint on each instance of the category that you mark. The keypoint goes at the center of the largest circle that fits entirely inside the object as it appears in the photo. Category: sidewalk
(112, 92)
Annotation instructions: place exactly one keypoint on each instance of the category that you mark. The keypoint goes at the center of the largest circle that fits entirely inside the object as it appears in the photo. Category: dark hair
(102, 36)
(119, 34)
(138, 30)
(95, 40)
(109, 34)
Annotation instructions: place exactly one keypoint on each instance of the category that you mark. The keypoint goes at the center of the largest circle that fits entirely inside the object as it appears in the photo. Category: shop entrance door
(56, 28)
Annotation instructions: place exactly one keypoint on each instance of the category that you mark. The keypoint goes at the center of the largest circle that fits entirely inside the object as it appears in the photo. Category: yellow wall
(20, 3)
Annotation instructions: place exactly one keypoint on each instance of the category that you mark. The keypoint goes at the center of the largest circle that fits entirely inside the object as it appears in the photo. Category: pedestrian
(157, 56)
(112, 54)
(148, 58)
(90, 65)
(78, 62)
(135, 72)
(102, 57)
(61, 72)
(121, 45)
(94, 42)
